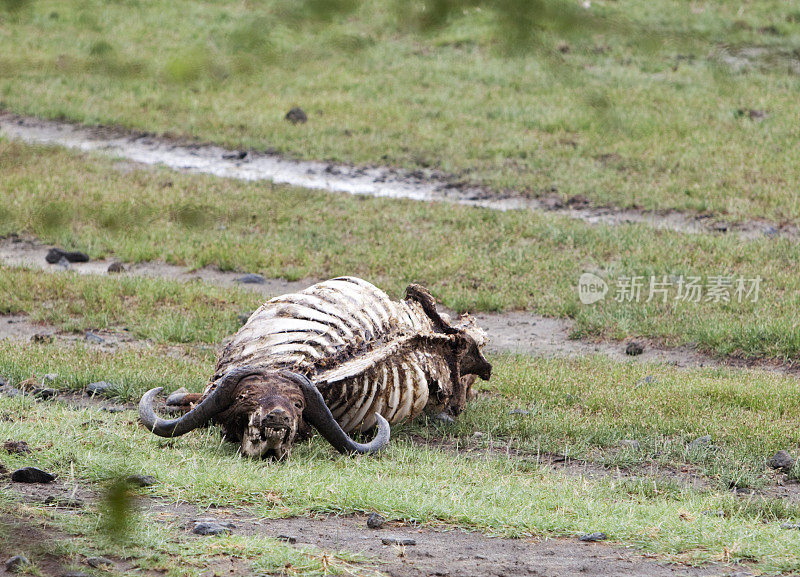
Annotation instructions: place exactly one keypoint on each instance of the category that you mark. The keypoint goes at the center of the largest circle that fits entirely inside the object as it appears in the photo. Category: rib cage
(365, 352)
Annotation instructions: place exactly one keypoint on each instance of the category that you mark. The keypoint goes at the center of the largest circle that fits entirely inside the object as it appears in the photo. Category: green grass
(472, 259)
(414, 482)
(646, 113)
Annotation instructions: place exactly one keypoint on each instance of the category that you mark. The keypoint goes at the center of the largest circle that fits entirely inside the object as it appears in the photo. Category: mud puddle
(509, 332)
(148, 149)
(440, 551)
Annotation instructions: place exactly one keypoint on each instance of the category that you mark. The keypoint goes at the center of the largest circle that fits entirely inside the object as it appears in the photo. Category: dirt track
(147, 149)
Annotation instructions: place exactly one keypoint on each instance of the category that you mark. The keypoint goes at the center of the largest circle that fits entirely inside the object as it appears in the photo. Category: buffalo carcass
(339, 356)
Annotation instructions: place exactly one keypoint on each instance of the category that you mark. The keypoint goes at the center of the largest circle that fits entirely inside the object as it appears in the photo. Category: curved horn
(319, 415)
(218, 400)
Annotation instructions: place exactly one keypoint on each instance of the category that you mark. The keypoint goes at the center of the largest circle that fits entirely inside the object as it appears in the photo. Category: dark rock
(375, 521)
(54, 256)
(99, 388)
(288, 538)
(116, 267)
(94, 338)
(782, 461)
(43, 393)
(397, 541)
(17, 447)
(296, 115)
(32, 475)
(9, 391)
(634, 348)
(66, 503)
(703, 441)
(141, 480)
(593, 537)
(235, 155)
(630, 444)
(100, 562)
(211, 528)
(251, 279)
(17, 564)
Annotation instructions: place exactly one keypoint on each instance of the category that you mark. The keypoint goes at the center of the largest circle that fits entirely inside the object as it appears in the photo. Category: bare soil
(439, 550)
(148, 149)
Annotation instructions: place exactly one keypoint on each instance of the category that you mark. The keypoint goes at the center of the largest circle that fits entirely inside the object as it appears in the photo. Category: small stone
(593, 537)
(782, 461)
(99, 562)
(49, 378)
(115, 267)
(141, 480)
(94, 338)
(235, 155)
(287, 538)
(444, 418)
(210, 529)
(99, 388)
(634, 349)
(631, 444)
(251, 279)
(66, 503)
(703, 441)
(477, 434)
(296, 116)
(44, 394)
(16, 447)
(9, 391)
(521, 412)
(112, 410)
(403, 541)
(17, 563)
(375, 521)
(32, 475)
(56, 255)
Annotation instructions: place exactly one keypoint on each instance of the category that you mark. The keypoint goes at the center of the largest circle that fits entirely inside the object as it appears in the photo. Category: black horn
(218, 400)
(319, 416)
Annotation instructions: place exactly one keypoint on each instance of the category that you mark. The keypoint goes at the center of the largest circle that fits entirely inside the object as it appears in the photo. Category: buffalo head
(265, 411)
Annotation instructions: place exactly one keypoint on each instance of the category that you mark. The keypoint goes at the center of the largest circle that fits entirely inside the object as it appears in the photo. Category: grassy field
(499, 260)
(651, 111)
(575, 409)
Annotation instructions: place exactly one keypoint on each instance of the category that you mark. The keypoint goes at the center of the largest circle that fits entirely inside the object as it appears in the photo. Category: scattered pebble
(99, 562)
(375, 521)
(9, 391)
(251, 278)
(296, 116)
(141, 480)
(211, 528)
(703, 441)
(54, 256)
(116, 267)
(94, 338)
(782, 461)
(630, 444)
(288, 538)
(99, 388)
(65, 502)
(593, 537)
(398, 541)
(16, 447)
(634, 349)
(17, 563)
(32, 475)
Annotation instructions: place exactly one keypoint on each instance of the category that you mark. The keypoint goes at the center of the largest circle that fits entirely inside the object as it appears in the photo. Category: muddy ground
(147, 149)
(514, 331)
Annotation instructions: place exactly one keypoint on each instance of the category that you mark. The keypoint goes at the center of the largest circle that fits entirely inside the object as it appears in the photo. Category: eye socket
(298, 404)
